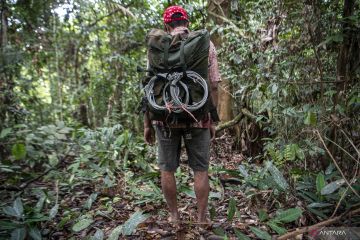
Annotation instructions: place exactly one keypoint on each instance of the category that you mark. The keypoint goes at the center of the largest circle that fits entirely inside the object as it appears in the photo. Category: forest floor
(231, 211)
(157, 226)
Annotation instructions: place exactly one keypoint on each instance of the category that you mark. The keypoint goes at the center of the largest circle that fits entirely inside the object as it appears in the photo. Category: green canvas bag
(164, 51)
(179, 53)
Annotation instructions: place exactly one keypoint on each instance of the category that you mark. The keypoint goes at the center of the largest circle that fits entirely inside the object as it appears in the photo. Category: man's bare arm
(149, 134)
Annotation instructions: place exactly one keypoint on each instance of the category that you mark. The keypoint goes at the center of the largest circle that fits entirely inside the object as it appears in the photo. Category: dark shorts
(197, 144)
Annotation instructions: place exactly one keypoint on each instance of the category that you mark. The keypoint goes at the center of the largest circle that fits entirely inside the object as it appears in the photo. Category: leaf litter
(87, 209)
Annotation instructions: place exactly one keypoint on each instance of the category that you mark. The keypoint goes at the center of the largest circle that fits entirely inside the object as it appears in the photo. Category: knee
(200, 174)
(167, 174)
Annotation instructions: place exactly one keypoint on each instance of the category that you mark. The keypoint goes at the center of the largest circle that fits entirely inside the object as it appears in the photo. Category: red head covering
(174, 9)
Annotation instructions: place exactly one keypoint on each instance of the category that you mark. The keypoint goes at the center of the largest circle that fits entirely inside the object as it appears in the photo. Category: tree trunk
(6, 83)
(347, 63)
(3, 24)
(225, 101)
(115, 100)
(4, 80)
(345, 54)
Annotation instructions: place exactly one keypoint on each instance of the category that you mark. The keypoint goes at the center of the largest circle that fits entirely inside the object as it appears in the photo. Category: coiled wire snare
(173, 102)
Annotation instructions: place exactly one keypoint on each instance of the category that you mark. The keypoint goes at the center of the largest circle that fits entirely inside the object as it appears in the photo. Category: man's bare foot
(203, 219)
(175, 221)
(174, 217)
(204, 224)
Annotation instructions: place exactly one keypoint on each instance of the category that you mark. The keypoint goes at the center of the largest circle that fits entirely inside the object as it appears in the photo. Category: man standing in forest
(201, 133)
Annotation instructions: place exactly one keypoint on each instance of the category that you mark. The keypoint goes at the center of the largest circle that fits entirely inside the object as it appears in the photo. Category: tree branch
(228, 21)
(244, 112)
(291, 235)
(121, 8)
(26, 184)
(336, 164)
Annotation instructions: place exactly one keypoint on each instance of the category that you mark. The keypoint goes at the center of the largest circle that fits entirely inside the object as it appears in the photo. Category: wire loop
(171, 92)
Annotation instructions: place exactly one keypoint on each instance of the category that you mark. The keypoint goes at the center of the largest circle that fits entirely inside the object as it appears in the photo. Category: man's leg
(168, 185)
(201, 185)
(169, 141)
(198, 150)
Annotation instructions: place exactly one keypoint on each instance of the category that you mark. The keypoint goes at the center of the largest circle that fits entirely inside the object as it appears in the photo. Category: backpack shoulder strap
(166, 53)
(182, 58)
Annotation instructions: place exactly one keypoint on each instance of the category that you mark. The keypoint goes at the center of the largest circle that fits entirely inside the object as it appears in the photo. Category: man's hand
(149, 135)
(212, 132)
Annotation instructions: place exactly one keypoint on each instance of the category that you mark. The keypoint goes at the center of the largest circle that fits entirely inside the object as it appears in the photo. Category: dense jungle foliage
(73, 162)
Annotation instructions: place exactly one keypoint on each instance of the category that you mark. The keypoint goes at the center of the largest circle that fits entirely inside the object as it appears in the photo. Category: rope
(173, 102)
(191, 115)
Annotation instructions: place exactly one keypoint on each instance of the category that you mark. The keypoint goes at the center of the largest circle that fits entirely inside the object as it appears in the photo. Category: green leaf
(130, 225)
(188, 192)
(7, 169)
(318, 213)
(90, 201)
(320, 182)
(87, 148)
(36, 218)
(329, 169)
(274, 88)
(18, 207)
(53, 159)
(219, 231)
(115, 233)
(18, 234)
(64, 220)
(240, 235)
(288, 215)
(212, 212)
(60, 136)
(35, 233)
(277, 176)
(319, 205)
(10, 211)
(338, 37)
(215, 195)
(300, 154)
(40, 204)
(260, 233)
(262, 215)
(231, 209)
(290, 152)
(99, 235)
(5, 132)
(310, 119)
(18, 150)
(274, 226)
(243, 171)
(53, 211)
(65, 130)
(82, 224)
(7, 225)
(332, 187)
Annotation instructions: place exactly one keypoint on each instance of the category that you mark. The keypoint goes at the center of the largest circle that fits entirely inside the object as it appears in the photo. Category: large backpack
(178, 55)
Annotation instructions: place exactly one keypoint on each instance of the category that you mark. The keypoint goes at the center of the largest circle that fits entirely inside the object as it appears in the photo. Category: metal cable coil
(173, 102)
